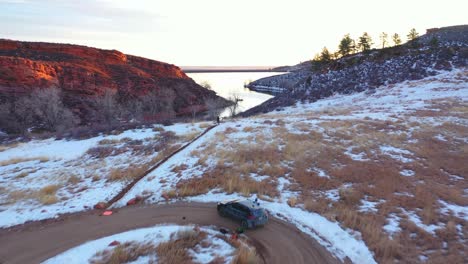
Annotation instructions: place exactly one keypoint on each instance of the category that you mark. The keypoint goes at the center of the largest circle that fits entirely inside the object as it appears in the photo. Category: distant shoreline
(202, 69)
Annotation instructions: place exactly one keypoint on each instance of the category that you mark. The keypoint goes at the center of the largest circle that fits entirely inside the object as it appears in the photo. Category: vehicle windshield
(258, 212)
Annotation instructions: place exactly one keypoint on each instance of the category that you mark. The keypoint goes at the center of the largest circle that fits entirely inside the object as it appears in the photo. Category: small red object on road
(114, 243)
(107, 213)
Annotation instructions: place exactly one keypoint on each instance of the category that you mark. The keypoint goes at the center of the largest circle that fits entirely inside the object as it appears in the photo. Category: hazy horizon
(218, 33)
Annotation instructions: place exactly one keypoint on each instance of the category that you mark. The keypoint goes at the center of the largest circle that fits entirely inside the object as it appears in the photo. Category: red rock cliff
(84, 71)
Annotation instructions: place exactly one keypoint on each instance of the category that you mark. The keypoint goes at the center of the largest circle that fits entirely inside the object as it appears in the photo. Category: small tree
(325, 55)
(412, 35)
(16, 117)
(384, 39)
(235, 99)
(205, 84)
(365, 42)
(106, 108)
(159, 104)
(50, 111)
(346, 45)
(396, 39)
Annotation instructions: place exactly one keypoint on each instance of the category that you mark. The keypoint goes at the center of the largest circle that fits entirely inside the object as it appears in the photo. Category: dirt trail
(277, 242)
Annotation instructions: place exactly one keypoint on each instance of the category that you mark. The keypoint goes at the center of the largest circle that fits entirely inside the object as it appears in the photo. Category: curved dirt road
(277, 242)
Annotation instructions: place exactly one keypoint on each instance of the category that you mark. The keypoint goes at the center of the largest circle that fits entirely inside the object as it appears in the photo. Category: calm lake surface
(227, 83)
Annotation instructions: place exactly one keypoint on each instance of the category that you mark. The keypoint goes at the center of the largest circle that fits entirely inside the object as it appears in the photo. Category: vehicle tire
(244, 224)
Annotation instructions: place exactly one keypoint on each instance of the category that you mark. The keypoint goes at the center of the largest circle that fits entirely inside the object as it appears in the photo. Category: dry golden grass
(47, 195)
(124, 253)
(8, 146)
(108, 141)
(248, 129)
(245, 255)
(190, 136)
(127, 174)
(20, 160)
(205, 125)
(292, 201)
(73, 179)
(378, 177)
(22, 174)
(158, 129)
(19, 195)
(175, 251)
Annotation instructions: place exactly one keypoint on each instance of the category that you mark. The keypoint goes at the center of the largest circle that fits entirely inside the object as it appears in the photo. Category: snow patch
(155, 235)
(329, 234)
(396, 153)
(393, 225)
(407, 173)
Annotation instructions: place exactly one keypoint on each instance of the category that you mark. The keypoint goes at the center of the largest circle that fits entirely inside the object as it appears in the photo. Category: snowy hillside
(378, 163)
(373, 176)
(43, 178)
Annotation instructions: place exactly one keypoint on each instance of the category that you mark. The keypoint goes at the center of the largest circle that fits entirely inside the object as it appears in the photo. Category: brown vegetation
(437, 165)
(245, 255)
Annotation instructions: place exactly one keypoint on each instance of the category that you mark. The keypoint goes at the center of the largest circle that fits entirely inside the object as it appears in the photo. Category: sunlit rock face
(83, 72)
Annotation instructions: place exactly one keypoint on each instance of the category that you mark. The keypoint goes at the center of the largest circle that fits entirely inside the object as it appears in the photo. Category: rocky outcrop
(84, 72)
(359, 72)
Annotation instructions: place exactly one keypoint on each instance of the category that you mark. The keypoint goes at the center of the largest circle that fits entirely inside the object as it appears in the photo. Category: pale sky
(220, 32)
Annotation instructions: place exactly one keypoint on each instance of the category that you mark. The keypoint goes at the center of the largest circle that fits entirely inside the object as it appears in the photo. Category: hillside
(82, 73)
(375, 177)
(364, 71)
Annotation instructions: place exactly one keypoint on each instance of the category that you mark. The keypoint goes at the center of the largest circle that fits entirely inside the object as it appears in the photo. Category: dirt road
(277, 242)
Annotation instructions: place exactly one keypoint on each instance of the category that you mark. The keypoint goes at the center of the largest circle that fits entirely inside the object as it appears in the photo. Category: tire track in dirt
(277, 242)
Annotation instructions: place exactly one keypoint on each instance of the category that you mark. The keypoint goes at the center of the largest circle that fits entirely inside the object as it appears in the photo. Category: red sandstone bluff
(83, 72)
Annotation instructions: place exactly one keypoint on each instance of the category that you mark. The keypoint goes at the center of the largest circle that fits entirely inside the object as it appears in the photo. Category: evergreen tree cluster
(364, 44)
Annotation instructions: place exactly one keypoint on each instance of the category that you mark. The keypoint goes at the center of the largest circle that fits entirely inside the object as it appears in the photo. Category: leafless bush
(43, 108)
(106, 108)
(233, 108)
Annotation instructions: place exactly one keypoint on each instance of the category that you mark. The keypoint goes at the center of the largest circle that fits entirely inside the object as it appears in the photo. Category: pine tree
(365, 42)
(325, 55)
(384, 39)
(412, 35)
(413, 38)
(396, 39)
(346, 45)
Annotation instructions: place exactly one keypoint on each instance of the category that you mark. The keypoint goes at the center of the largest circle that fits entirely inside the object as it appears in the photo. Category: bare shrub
(175, 251)
(245, 255)
(350, 196)
(124, 253)
(108, 141)
(233, 108)
(50, 111)
(47, 195)
(22, 174)
(292, 201)
(101, 152)
(106, 108)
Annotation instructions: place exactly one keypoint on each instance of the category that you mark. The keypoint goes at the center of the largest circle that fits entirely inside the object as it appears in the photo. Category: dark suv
(248, 212)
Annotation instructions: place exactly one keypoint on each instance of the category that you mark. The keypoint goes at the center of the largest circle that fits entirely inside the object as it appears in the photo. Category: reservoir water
(225, 84)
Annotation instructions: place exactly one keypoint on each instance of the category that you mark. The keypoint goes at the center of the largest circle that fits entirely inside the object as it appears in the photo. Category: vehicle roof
(246, 202)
